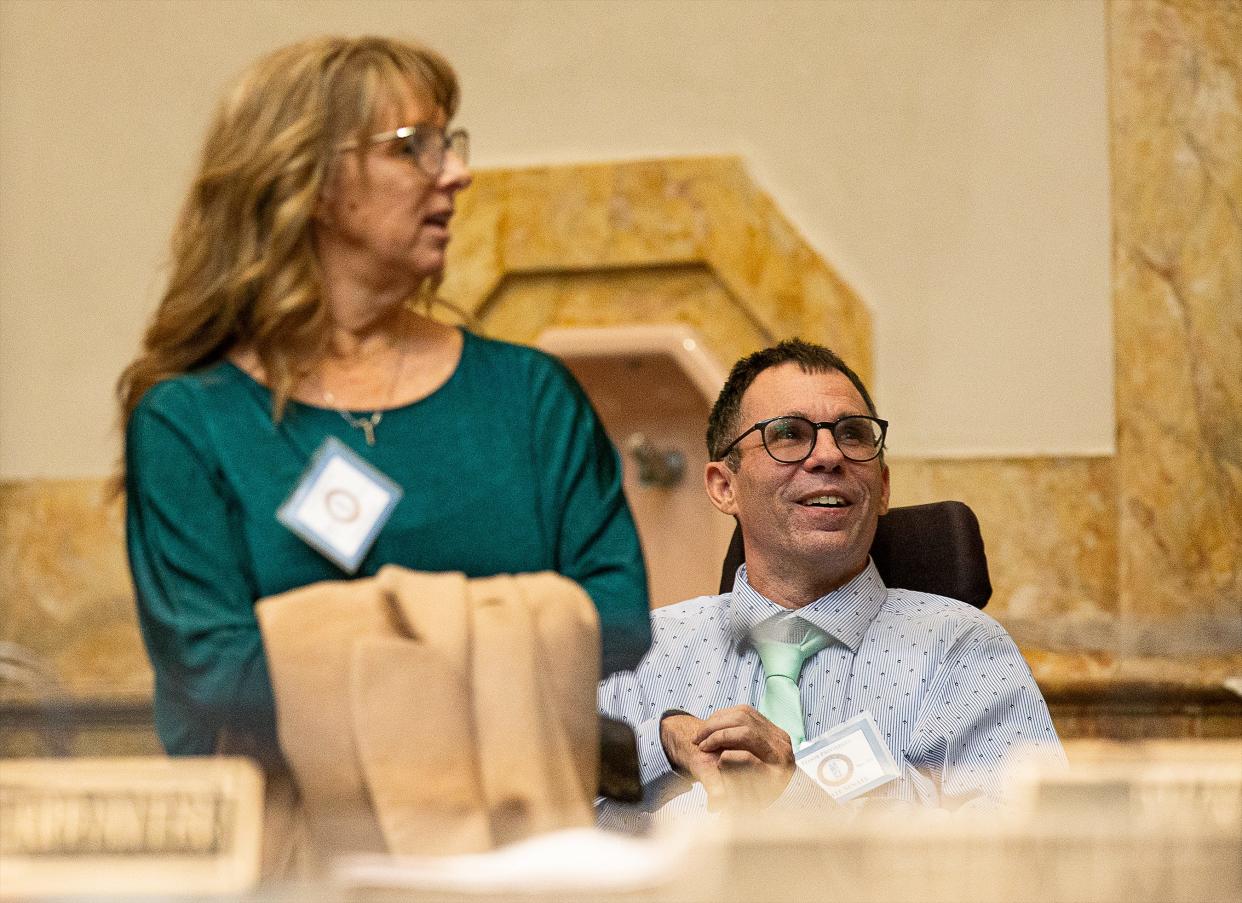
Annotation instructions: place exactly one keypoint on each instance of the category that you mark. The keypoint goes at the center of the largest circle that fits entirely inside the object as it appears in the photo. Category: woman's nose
(455, 175)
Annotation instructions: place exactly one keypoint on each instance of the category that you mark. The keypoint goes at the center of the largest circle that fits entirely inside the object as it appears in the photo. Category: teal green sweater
(505, 469)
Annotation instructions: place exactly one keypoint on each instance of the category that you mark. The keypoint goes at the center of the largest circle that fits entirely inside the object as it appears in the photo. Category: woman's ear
(322, 214)
(325, 204)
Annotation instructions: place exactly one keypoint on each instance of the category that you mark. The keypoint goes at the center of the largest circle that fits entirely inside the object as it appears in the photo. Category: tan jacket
(428, 713)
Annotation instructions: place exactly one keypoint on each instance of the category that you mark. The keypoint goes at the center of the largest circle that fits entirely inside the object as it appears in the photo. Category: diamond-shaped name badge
(850, 759)
(340, 505)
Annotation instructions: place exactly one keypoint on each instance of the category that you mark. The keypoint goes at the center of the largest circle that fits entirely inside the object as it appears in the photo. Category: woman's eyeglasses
(427, 145)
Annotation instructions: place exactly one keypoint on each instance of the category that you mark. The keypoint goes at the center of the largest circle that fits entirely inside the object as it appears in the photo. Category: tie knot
(784, 643)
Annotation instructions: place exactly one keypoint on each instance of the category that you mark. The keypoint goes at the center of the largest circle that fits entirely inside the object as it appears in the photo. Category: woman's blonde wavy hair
(243, 268)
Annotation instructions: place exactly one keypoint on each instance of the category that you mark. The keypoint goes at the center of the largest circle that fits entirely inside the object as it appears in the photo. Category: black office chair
(935, 548)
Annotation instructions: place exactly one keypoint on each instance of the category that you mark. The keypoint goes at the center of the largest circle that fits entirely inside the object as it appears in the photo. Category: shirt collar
(844, 614)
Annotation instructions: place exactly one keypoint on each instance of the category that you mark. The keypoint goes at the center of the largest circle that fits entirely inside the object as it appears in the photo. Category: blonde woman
(288, 361)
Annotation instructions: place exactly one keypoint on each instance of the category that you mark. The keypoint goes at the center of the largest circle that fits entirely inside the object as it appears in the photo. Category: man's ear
(718, 480)
(884, 493)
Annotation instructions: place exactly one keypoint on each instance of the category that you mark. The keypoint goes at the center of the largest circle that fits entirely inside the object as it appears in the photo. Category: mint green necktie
(784, 644)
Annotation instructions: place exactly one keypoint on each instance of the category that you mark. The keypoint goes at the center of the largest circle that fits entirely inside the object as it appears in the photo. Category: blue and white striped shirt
(947, 687)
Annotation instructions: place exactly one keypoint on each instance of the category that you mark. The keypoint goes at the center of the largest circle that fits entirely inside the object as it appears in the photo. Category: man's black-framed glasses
(791, 440)
(427, 145)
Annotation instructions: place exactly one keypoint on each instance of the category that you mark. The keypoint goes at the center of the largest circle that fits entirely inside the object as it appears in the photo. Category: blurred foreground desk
(1155, 822)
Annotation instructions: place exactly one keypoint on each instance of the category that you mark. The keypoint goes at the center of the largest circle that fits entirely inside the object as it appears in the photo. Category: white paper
(574, 860)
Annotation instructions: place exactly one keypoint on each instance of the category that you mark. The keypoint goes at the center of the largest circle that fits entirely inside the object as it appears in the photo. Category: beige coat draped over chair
(428, 713)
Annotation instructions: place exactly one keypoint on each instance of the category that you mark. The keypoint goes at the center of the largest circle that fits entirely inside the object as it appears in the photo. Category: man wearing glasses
(811, 661)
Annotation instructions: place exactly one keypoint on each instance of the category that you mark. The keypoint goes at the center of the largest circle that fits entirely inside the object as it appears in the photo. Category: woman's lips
(439, 218)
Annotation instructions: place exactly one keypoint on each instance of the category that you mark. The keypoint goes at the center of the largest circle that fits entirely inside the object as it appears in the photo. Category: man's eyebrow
(795, 413)
(806, 416)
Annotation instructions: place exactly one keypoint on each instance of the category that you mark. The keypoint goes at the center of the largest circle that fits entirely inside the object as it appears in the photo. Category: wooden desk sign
(125, 826)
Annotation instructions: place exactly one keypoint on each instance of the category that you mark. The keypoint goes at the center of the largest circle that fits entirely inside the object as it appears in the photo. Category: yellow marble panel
(523, 306)
(1049, 529)
(65, 593)
(636, 221)
(1176, 92)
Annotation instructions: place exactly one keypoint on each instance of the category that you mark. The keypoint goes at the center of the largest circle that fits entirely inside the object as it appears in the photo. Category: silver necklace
(368, 423)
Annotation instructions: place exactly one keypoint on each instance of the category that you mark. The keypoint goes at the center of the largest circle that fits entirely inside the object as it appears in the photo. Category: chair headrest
(934, 548)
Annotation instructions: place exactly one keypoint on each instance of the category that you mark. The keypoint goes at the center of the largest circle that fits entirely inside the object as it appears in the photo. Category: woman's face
(382, 221)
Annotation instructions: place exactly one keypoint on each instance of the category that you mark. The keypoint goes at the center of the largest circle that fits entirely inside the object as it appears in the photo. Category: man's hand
(756, 758)
(677, 736)
(742, 759)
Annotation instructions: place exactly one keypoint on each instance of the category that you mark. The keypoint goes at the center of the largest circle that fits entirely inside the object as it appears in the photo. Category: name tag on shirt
(849, 760)
(340, 505)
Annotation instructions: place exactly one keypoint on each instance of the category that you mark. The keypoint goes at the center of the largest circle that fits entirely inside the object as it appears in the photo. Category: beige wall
(948, 158)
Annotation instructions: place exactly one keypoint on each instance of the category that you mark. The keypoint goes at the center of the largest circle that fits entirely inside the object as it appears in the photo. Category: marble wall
(1110, 572)
(65, 594)
(1177, 262)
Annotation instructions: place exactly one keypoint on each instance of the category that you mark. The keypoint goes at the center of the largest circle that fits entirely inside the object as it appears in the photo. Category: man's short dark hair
(722, 423)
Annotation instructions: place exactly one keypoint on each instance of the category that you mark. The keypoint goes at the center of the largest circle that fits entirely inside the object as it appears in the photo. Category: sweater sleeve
(596, 543)
(195, 601)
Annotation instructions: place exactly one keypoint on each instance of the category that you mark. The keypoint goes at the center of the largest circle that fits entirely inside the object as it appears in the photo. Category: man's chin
(833, 552)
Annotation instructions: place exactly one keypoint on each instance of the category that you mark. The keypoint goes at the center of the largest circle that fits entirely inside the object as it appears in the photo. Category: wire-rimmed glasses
(791, 439)
(427, 145)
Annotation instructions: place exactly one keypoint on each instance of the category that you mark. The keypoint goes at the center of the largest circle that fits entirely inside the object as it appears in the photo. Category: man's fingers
(717, 722)
(729, 738)
(762, 744)
(734, 716)
(741, 758)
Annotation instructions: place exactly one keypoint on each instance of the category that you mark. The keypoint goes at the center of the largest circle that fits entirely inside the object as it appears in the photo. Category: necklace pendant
(368, 431)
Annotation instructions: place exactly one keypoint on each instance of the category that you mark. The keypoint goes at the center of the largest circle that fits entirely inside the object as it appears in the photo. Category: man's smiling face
(808, 527)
